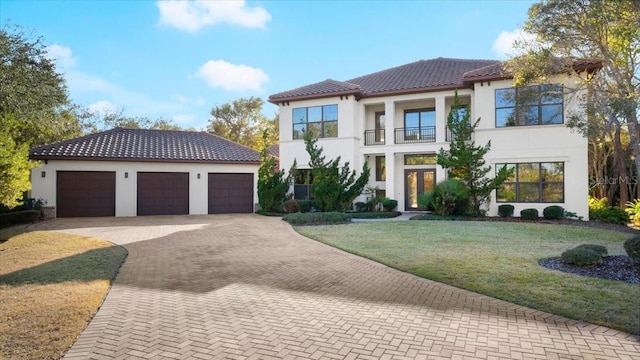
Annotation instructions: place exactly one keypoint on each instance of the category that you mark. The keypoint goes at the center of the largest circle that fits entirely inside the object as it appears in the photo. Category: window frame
(540, 183)
(308, 180)
(322, 122)
(519, 106)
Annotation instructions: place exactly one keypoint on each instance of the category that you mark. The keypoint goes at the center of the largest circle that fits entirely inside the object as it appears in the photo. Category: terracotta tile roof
(331, 87)
(274, 150)
(423, 75)
(497, 71)
(148, 145)
(419, 76)
(493, 72)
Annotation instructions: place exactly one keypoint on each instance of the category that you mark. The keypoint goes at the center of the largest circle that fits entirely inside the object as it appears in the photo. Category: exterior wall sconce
(198, 176)
(126, 175)
(43, 174)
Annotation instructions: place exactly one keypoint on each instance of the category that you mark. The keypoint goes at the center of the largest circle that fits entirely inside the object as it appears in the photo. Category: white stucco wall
(547, 143)
(537, 143)
(126, 188)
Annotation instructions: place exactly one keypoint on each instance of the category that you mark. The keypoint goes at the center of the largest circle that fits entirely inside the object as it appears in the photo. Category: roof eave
(190, 161)
(280, 100)
(416, 90)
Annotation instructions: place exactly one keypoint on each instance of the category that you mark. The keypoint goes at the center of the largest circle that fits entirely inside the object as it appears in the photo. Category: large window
(533, 182)
(529, 105)
(420, 159)
(302, 184)
(420, 125)
(321, 121)
(381, 168)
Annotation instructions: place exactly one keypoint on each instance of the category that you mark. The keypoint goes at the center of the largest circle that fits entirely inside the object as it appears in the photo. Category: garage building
(135, 172)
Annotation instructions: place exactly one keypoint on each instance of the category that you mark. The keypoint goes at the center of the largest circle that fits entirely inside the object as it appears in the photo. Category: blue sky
(177, 60)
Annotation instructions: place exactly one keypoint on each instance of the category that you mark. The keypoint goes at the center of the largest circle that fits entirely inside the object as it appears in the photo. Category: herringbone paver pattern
(248, 287)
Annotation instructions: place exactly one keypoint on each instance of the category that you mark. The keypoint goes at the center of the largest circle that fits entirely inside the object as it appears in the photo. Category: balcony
(374, 137)
(424, 134)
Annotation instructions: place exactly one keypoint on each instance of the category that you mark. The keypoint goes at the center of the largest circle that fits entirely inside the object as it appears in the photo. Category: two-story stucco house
(395, 120)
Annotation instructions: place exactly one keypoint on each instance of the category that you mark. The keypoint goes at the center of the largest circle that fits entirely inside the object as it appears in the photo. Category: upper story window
(530, 105)
(420, 125)
(321, 121)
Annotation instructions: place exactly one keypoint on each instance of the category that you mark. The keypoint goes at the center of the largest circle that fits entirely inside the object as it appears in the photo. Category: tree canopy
(465, 161)
(242, 121)
(605, 30)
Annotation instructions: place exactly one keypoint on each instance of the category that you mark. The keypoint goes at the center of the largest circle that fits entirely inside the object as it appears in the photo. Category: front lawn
(51, 285)
(497, 259)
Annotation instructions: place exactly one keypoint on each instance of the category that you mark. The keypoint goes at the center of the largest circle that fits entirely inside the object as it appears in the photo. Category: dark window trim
(410, 111)
(322, 122)
(540, 183)
(539, 104)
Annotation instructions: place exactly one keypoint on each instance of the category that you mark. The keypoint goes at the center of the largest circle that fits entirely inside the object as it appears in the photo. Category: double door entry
(417, 182)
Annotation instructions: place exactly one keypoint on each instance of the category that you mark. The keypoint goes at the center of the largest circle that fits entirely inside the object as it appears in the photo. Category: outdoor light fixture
(43, 174)
(126, 175)
(198, 175)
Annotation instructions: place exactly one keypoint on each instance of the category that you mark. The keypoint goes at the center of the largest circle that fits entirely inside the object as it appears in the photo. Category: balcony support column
(389, 122)
(441, 119)
(391, 180)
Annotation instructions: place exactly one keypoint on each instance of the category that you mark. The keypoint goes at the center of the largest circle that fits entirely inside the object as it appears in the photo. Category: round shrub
(529, 214)
(505, 210)
(598, 249)
(632, 247)
(291, 206)
(581, 256)
(305, 205)
(553, 212)
(389, 204)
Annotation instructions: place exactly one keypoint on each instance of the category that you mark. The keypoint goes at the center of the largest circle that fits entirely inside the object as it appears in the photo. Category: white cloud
(191, 15)
(62, 55)
(102, 107)
(219, 73)
(199, 100)
(503, 45)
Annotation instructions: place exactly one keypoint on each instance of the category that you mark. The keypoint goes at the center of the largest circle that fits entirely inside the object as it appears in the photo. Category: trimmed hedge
(375, 215)
(632, 247)
(611, 215)
(529, 214)
(581, 256)
(317, 218)
(553, 212)
(19, 217)
(505, 210)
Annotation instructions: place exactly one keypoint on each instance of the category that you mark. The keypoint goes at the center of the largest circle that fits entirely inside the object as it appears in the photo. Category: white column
(441, 119)
(391, 181)
(389, 123)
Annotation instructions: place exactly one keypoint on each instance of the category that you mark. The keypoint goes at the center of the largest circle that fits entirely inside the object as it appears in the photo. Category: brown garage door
(230, 193)
(163, 193)
(85, 193)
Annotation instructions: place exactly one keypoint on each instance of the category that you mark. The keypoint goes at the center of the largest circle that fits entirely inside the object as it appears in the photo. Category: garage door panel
(230, 193)
(85, 193)
(161, 193)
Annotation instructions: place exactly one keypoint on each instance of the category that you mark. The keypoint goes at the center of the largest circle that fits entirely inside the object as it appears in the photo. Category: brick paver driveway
(249, 287)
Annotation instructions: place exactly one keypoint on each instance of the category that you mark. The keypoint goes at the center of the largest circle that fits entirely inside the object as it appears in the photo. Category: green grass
(499, 260)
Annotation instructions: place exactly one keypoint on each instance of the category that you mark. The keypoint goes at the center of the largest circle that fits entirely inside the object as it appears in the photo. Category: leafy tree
(14, 163)
(273, 185)
(242, 121)
(33, 91)
(334, 188)
(465, 161)
(598, 29)
(106, 120)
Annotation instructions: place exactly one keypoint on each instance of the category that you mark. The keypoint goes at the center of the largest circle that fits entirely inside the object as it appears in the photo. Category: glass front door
(417, 182)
